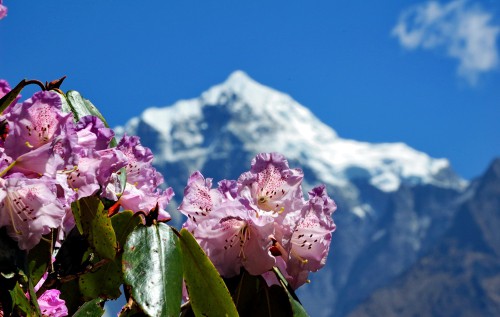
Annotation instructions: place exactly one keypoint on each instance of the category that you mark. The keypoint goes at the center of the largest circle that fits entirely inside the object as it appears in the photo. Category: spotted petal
(199, 198)
(311, 238)
(29, 208)
(271, 185)
(234, 237)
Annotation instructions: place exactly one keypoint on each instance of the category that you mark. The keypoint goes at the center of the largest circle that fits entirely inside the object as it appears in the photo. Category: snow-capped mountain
(394, 201)
(263, 119)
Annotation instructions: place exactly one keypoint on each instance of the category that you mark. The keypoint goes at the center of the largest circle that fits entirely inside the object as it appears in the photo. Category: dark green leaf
(33, 298)
(39, 258)
(208, 294)
(152, 266)
(253, 297)
(21, 303)
(124, 223)
(96, 226)
(11, 257)
(105, 281)
(297, 308)
(90, 309)
(70, 293)
(75, 209)
(73, 256)
(6, 100)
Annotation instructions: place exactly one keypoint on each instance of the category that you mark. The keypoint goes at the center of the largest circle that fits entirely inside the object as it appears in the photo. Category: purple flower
(228, 188)
(199, 199)
(51, 305)
(29, 208)
(93, 134)
(272, 188)
(261, 221)
(236, 237)
(140, 170)
(311, 238)
(5, 160)
(42, 138)
(139, 200)
(270, 185)
(4, 85)
(141, 191)
(3, 11)
(94, 171)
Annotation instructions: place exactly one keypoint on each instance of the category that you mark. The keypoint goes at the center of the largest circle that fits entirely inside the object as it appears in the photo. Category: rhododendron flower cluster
(48, 161)
(83, 216)
(3, 10)
(261, 220)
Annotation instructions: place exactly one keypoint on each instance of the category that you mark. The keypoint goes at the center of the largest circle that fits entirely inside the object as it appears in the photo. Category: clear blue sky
(341, 59)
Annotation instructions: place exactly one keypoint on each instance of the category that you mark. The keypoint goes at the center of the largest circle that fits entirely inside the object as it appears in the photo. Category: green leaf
(105, 281)
(90, 309)
(152, 266)
(124, 223)
(39, 258)
(70, 293)
(297, 308)
(208, 294)
(21, 303)
(75, 209)
(253, 297)
(82, 107)
(11, 257)
(6, 100)
(96, 226)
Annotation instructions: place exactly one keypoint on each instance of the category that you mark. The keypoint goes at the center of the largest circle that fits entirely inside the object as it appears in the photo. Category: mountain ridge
(460, 275)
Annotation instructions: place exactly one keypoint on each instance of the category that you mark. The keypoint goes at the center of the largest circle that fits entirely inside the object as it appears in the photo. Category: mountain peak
(243, 115)
(239, 77)
(240, 86)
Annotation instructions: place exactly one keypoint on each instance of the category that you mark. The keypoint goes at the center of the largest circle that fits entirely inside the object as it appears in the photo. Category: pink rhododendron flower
(261, 221)
(311, 237)
(36, 122)
(199, 199)
(29, 208)
(93, 134)
(5, 160)
(41, 138)
(140, 170)
(141, 192)
(272, 188)
(3, 10)
(235, 237)
(271, 185)
(51, 305)
(4, 85)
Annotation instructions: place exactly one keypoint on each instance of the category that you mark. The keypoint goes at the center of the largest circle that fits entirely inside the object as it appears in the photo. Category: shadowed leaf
(97, 225)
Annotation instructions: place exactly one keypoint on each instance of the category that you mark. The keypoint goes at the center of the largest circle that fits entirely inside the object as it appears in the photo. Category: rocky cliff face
(394, 202)
(460, 275)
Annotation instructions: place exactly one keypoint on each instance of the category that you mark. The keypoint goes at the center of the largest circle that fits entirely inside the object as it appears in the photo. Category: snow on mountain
(263, 119)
